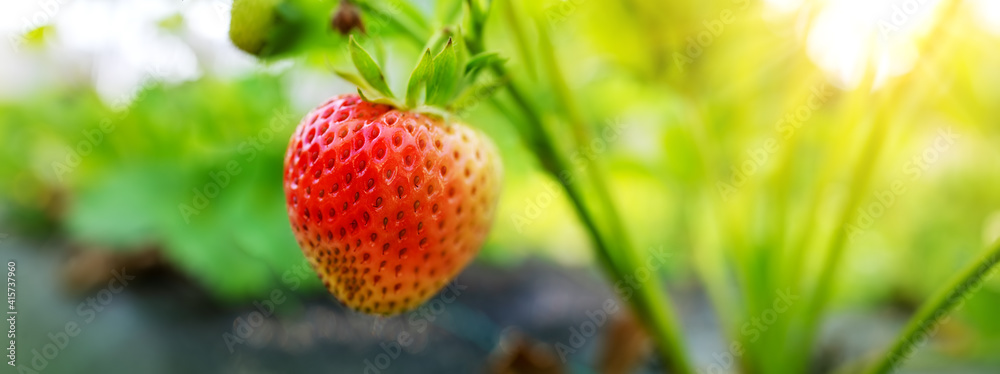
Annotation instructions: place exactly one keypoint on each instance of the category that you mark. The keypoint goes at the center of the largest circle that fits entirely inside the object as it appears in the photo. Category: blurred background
(732, 134)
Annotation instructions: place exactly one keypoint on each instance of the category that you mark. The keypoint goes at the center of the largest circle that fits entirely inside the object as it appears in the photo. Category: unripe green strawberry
(388, 205)
(252, 21)
(269, 28)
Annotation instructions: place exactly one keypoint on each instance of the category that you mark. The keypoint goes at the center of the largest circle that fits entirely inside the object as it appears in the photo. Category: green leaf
(439, 39)
(105, 211)
(434, 111)
(368, 68)
(480, 61)
(379, 100)
(355, 79)
(418, 79)
(444, 76)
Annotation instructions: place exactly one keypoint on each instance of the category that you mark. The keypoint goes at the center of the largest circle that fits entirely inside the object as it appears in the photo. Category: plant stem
(815, 306)
(651, 305)
(403, 16)
(652, 302)
(933, 49)
(939, 307)
(517, 29)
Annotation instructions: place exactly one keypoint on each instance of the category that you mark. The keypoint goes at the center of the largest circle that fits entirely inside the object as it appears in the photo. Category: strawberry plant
(358, 160)
(375, 276)
(811, 179)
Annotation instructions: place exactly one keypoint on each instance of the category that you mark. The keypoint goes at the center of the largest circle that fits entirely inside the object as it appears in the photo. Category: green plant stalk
(937, 308)
(650, 302)
(412, 32)
(732, 233)
(788, 258)
(651, 305)
(835, 251)
(714, 271)
(517, 29)
(934, 49)
(711, 270)
(800, 342)
(777, 277)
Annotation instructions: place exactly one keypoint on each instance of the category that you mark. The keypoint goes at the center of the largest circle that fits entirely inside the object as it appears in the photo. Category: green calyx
(439, 84)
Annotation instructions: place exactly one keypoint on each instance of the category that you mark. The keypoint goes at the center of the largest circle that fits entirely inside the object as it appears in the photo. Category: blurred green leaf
(444, 76)
(480, 61)
(368, 68)
(418, 79)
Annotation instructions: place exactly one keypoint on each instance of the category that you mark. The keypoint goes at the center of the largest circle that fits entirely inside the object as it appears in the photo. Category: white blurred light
(128, 46)
(209, 19)
(991, 229)
(783, 6)
(988, 15)
(849, 37)
(120, 43)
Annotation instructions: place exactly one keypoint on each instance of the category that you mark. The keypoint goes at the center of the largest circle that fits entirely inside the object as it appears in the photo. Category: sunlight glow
(848, 37)
(988, 15)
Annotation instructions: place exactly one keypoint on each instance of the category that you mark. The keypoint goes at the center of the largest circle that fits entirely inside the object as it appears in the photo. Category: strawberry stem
(650, 304)
(801, 345)
(937, 310)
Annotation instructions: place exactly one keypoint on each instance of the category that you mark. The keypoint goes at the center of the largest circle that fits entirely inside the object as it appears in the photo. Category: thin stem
(650, 303)
(933, 49)
(711, 260)
(519, 34)
(412, 32)
(833, 255)
(937, 310)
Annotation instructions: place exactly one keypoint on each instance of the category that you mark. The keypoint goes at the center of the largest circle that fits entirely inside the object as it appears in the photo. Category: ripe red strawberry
(388, 205)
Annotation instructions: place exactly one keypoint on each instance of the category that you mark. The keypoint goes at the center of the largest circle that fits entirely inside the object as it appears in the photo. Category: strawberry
(388, 205)
(272, 28)
(251, 21)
